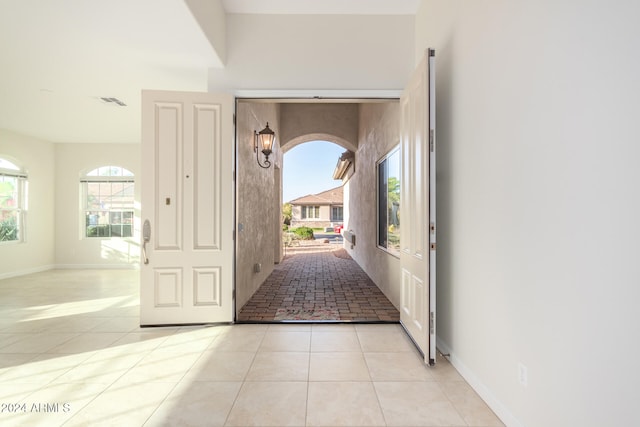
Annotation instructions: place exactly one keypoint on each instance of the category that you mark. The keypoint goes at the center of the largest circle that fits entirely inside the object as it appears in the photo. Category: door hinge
(432, 321)
(431, 141)
(234, 119)
(234, 234)
(234, 176)
(432, 227)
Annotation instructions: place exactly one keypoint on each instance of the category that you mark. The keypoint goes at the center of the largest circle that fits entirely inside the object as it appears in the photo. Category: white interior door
(417, 255)
(187, 199)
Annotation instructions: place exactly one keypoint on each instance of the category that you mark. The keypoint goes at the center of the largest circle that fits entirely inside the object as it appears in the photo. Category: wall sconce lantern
(264, 139)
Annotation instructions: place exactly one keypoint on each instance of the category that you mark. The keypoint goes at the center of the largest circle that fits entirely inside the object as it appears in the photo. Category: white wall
(212, 19)
(315, 52)
(538, 203)
(72, 250)
(37, 158)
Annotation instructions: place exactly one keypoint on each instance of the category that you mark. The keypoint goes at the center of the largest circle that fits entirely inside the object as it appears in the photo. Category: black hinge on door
(432, 319)
(234, 119)
(431, 141)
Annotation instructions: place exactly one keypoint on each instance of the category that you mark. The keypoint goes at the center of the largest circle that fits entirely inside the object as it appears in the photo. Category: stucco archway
(306, 122)
(288, 145)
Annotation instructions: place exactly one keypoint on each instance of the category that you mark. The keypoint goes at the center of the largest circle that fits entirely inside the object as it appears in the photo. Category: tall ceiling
(58, 59)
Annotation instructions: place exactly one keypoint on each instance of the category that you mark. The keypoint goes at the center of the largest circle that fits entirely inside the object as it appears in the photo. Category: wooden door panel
(418, 285)
(187, 196)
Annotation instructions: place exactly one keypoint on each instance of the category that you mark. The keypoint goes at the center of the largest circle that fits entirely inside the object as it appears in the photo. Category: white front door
(417, 255)
(187, 199)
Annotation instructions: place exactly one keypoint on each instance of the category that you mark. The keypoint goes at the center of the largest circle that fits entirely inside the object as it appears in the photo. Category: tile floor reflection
(72, 354)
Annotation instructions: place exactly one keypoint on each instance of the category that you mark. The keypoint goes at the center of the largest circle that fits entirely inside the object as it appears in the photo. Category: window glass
(388, 173)
(336, 213)
(108, 202)
(13, 193)
(310, 212)
(6, 164)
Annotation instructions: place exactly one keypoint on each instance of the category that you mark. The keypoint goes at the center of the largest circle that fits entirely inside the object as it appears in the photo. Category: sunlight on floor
(76, 307)
(80, 358)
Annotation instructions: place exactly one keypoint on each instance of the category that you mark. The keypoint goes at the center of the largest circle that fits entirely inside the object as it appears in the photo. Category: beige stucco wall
(258, 201)
(378, 133)
(323, 221)
(38, 159)
(310, 122)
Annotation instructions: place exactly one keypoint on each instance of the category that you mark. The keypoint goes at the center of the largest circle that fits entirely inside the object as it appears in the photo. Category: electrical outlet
(523, 376)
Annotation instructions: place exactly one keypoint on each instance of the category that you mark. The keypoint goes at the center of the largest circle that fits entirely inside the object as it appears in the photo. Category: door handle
(146, 236)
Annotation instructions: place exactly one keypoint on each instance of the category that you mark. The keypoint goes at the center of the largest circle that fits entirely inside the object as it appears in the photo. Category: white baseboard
(97, 266)
(483, 391)
(26, 271)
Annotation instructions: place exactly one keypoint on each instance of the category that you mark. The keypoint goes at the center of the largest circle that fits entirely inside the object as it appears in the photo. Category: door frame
(288, 96)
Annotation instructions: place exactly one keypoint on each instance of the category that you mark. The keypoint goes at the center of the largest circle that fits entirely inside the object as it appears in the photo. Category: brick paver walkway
(322, 285)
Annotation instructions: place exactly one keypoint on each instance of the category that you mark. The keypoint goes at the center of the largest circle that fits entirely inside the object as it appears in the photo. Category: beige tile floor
(72, 354)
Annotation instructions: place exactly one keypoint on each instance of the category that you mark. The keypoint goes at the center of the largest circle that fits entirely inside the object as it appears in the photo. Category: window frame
(304, 212)
(94, 177)
(382, 193)
(333, 217)
(8, 168)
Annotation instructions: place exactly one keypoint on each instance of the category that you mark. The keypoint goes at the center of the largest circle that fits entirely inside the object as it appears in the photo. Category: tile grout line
(306, 401)
(244, 379)
(146, 353)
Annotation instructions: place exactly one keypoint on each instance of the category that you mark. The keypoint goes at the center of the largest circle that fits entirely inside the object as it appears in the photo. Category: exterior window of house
(13, 202)
(310, 212)
(336, 213)
(108, 202)
(388, 171)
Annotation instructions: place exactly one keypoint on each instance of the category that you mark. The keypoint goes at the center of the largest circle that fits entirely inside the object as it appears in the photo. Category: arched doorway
(309, 284)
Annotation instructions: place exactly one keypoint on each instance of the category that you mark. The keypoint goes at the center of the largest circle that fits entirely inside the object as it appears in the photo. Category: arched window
(13, 202)
(108, 201)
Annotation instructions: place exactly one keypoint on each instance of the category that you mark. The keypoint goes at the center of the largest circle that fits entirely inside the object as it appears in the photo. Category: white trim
(101, 179)
(318, 94)
(431, 132)
(134, 266)
(13, 174)
(26, 271)
(42, 268)
(483, 391)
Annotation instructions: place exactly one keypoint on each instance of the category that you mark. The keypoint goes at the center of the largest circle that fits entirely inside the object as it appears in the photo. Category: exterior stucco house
(318, 210)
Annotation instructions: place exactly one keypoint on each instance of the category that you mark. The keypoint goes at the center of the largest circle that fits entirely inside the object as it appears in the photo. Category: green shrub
(8, 230)
(98, 231)
(285, 227)
(305, 233)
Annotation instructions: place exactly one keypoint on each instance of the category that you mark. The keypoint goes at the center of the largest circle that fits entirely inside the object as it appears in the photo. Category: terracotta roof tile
(329, 197)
